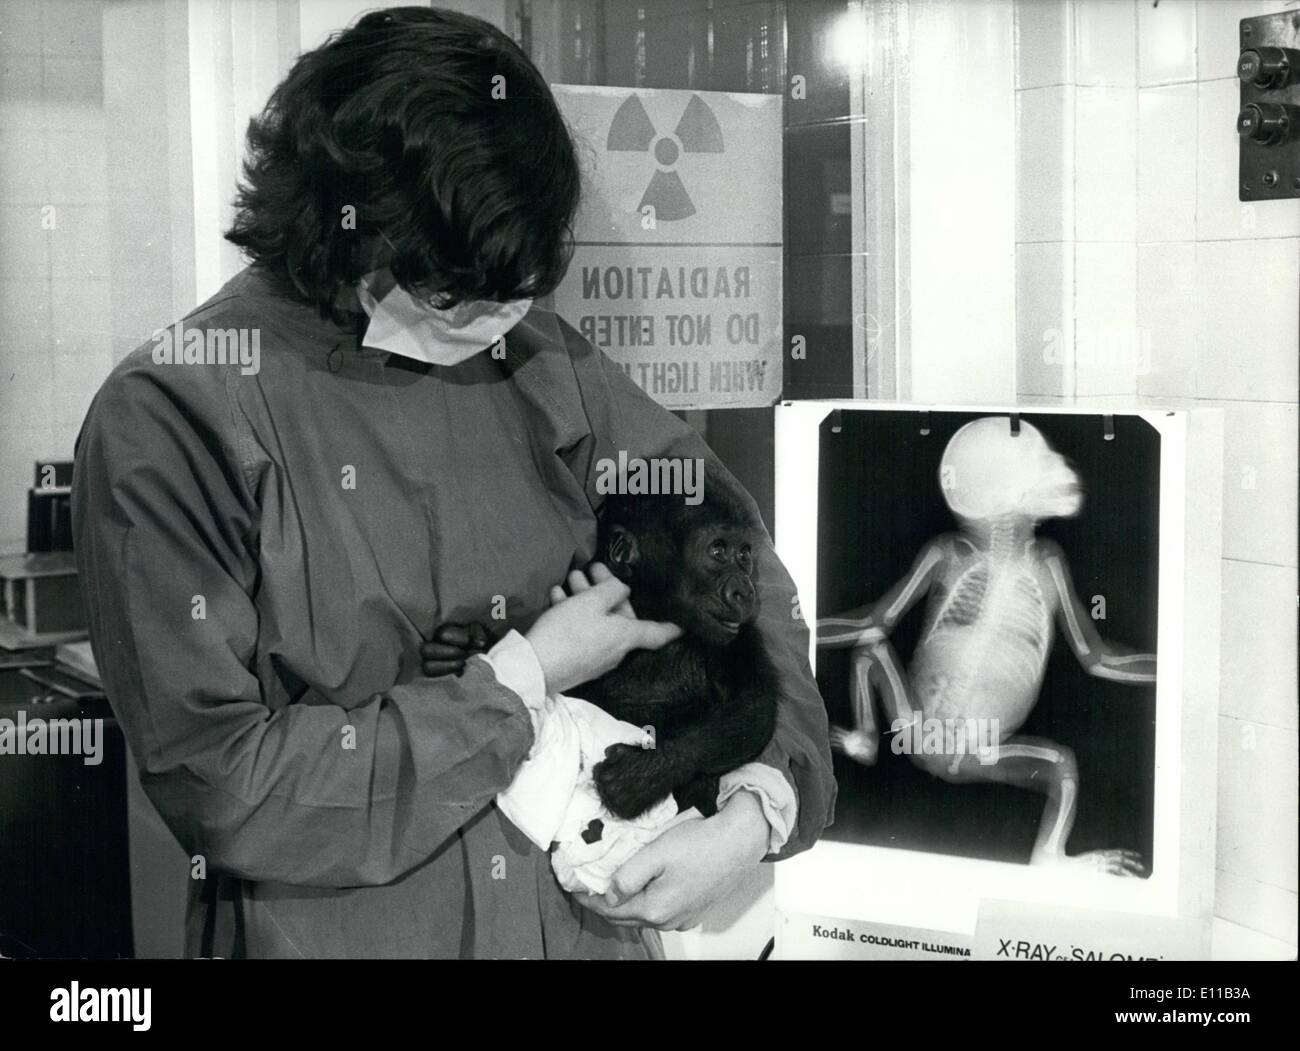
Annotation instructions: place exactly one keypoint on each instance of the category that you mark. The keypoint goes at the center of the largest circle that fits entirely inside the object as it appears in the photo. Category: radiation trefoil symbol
(698, 131)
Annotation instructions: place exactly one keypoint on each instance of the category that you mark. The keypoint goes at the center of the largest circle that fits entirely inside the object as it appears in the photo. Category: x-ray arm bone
(1098, 656)
(878, 674)
(876, 620)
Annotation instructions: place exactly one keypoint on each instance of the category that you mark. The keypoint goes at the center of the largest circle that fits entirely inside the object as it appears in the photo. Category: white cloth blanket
(553, 798)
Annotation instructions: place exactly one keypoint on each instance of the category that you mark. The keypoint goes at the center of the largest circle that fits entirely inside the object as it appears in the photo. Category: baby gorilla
(709, 697)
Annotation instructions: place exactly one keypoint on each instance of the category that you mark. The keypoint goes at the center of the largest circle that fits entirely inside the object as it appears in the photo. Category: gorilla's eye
(745, 559)
(718, 549)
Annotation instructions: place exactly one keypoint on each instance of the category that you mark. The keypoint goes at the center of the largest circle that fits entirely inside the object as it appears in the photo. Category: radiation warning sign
(677, 269)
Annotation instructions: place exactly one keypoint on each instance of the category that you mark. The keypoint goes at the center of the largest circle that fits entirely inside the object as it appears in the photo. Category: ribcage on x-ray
(964, 602)
(984, 652)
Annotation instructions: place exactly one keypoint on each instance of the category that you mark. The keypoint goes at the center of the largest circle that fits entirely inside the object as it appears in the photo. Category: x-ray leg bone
(877, 674)
(1039, 765)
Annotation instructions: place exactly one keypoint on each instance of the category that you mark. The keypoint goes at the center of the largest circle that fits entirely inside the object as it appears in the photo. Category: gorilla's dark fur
(710, 696)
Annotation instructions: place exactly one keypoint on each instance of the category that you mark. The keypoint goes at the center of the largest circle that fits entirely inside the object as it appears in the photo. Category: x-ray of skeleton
(993, 590)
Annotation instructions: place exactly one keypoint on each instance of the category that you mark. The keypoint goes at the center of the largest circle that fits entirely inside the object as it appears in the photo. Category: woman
(265, 549)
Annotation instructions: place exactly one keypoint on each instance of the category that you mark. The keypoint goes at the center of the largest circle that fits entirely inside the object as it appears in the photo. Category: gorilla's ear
(623, 553)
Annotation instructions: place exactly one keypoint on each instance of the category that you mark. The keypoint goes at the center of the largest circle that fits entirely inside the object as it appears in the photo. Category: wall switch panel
(1269, 121)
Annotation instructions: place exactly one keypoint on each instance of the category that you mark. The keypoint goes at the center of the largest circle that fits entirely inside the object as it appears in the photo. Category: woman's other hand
(671, 882)
(588, 631)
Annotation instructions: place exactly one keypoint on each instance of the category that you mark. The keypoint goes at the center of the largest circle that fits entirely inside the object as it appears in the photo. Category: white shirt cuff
(517, 669)
(774, 794)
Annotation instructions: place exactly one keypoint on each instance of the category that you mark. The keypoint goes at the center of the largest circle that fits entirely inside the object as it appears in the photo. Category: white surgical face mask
(402, 324)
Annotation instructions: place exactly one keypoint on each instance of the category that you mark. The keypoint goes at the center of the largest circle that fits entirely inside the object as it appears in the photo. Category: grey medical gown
(262, 555)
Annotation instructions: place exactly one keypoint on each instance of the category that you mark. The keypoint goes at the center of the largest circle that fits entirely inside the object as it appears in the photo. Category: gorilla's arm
(731, 728)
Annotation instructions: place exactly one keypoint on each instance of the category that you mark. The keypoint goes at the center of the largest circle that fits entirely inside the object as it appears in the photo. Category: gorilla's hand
(701, 792)
(451, 647)
(631, 779)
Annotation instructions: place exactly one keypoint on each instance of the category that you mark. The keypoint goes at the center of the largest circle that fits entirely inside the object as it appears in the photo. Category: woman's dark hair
(429, 127)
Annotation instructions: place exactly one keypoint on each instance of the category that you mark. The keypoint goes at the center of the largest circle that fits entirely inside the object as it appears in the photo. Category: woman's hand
(669, 884)
(588, 632)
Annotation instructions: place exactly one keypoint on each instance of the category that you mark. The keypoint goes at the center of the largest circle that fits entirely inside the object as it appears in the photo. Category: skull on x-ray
(988, 472)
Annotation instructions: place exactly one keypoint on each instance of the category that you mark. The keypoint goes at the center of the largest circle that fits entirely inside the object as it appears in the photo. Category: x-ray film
(988, 593)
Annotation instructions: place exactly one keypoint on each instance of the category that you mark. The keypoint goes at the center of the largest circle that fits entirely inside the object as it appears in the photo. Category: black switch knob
(1269, 67)
(1268, 123)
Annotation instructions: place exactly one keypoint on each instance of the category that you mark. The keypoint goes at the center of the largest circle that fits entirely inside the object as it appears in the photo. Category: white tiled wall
(1044, 164)
(1127, 161)
(1166, 37)
(1105, 44)
(55, 343)
(1076, 144)
(1166, 169)
(1105, 179)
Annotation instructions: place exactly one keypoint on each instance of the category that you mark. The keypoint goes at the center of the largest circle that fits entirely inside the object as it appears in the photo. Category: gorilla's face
(715, 594)
(691, 564)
